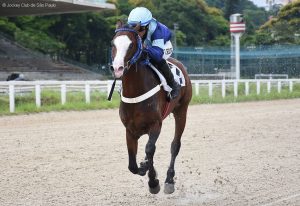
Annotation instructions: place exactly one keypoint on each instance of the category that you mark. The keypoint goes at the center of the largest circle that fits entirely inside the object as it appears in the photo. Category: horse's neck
(138, 80)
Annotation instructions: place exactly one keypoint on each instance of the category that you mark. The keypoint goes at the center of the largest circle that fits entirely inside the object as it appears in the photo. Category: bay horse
(144, 113)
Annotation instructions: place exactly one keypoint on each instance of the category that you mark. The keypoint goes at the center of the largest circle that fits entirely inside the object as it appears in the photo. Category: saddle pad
(178, 76)
(177, 73)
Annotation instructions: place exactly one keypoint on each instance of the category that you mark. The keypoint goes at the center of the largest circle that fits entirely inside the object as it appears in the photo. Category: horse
(145, 112)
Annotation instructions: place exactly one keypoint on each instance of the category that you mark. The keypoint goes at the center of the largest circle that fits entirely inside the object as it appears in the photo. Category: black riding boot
(166, 71)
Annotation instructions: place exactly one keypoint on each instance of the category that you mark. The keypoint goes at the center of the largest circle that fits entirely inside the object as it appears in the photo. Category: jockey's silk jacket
(158, 34)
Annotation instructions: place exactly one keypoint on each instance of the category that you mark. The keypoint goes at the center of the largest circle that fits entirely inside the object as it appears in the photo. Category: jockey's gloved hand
(145, 53)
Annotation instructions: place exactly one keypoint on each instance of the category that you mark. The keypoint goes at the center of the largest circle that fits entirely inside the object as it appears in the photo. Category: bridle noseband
(139, 50)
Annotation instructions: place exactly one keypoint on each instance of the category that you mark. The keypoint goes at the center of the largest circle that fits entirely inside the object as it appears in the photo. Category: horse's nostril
(111, 68)
(120, 68)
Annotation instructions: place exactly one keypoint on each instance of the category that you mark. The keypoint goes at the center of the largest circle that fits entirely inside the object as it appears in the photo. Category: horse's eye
(130, 45)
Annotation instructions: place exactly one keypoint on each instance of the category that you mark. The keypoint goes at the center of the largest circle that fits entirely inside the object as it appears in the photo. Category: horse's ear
(137, 27)
(119, 24)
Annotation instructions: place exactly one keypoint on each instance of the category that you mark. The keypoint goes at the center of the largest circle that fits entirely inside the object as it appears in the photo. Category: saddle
(178, 75)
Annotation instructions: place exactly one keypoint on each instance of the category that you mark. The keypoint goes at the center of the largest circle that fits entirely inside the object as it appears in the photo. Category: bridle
(139, 50)
(134, 58)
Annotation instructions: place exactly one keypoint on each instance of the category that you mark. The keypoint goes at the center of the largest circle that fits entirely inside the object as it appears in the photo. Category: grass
(51, 100)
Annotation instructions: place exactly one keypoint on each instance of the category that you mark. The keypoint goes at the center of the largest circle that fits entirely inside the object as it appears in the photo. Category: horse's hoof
(142, 172)
(169, 188)
(133, 170)
(154, 190)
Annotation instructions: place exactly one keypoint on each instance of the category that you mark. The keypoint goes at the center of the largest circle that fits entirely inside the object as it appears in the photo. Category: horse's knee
(150, 149)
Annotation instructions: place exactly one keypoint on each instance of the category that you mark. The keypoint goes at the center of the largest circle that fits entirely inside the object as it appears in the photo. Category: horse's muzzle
(119, 72)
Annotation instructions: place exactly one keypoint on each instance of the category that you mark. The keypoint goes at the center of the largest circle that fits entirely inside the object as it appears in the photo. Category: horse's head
(126, 48)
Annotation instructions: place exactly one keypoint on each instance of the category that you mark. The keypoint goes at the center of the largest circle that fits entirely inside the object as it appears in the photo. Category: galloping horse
(145, 111)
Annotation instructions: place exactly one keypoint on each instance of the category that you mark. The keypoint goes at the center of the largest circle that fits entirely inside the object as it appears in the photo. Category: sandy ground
(231, 154)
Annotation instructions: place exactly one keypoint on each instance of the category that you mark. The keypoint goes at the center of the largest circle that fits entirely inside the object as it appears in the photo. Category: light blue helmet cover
(140, 15)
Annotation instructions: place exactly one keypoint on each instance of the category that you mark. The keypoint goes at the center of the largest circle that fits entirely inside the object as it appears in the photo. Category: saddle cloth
(178, 76)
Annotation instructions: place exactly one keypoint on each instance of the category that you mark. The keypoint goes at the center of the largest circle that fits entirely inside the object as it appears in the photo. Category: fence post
(12, 98)
(279, 86)
(223, 89)
(269, 86)
(38, 95)
(197, 88)
(235, 88)
(246, 88)
(258, 87)
(291, 86)
(63, 94)
(210, 89)
(87, 94)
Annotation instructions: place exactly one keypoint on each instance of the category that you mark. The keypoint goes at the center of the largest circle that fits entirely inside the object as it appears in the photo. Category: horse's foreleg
(132, 144)
(153, 183)
(180, 120)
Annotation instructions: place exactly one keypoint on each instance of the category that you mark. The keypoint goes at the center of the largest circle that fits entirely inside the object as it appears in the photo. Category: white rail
(224, 83)
(271, 76)
(19, 87)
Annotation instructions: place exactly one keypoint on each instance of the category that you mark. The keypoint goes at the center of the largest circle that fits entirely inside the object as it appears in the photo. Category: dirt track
(231, 154)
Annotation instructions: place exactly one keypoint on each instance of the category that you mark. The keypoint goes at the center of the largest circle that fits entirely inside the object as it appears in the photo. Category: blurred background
(70, 39)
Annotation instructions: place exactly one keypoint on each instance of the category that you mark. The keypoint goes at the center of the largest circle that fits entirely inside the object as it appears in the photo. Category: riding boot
(166, 71)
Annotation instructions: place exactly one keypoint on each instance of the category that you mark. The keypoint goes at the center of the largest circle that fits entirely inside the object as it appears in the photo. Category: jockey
(156, 39)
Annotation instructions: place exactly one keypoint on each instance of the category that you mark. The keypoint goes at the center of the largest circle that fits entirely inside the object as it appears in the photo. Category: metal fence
(277, 59)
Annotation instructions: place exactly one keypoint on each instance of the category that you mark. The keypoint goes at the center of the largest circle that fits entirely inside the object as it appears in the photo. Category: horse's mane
(126, 26)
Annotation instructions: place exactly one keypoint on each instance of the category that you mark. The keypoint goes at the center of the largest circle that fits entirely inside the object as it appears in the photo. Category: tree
(232, 7)
(87, 36)
(32, 32)
(198, 22)
(7, 27)
(254, 19)
(216, 3)
(285, 27)
(124, 7)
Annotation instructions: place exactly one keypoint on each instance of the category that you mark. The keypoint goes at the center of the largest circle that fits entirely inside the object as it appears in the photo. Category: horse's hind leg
(153, 183)
(180, 120)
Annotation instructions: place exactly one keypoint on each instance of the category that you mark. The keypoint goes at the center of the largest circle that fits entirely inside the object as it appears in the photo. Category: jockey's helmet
(140, 15)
